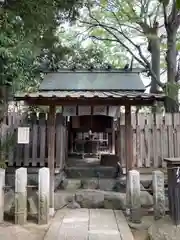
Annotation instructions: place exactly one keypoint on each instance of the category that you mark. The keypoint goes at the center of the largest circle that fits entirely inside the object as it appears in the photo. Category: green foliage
(26, 29)
(27, 37)
(178, 46)
(29, 42)
(178, 4)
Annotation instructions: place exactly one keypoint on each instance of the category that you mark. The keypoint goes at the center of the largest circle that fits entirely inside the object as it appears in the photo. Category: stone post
(158, 194)
(21, 196)
(133, 195)
(44, 194)
(2, 185)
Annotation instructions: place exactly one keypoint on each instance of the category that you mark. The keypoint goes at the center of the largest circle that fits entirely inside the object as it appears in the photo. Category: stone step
(86, 172)
(105, 184)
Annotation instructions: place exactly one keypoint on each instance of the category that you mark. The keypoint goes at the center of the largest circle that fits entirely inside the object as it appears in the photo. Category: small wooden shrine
(91, 135)
(90, 101)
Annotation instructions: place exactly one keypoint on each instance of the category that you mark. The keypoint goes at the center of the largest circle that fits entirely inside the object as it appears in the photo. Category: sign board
(23, 135)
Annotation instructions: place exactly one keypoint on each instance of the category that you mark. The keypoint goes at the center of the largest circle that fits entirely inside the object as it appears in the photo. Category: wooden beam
(89, 102)
(51, 154)
(128, 139)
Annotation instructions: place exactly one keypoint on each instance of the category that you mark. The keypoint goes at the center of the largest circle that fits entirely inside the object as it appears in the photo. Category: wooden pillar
(113, 137)
(118, 140)
(67, 141)
(51, 155)
(128, 139)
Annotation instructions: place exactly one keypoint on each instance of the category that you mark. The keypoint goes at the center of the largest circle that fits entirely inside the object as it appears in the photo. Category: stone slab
(102, 225)
(123, 226)
(74, 225)
(54, 229)
(89, 224)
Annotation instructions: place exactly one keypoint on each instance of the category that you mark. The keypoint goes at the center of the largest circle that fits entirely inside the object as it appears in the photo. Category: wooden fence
(10, 122)
(35, 153)
(154, 138)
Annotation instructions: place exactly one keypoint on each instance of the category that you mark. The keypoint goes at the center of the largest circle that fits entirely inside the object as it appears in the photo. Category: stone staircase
(97, 187)
(91, 187)
(104, 184)
(93, 172)
(84, 187)
(96, 177)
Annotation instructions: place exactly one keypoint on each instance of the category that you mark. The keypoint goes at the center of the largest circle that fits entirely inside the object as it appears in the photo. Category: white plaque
(23, 135)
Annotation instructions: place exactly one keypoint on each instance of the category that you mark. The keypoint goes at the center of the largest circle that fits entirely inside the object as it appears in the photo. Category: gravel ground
(28, 232)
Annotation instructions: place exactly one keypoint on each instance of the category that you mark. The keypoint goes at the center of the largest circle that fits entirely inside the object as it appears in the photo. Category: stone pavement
(89, 224)
(73, 224)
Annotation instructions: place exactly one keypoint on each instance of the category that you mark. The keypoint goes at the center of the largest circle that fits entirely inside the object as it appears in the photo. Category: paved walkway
(77, 224)
(89, 224)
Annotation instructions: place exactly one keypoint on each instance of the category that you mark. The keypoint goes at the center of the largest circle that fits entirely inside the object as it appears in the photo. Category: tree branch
(147, 64)
(157, 14)
(126, 25)
(110, 30)
(172, 15)
(163, 71)
(165, 16)
(87, 30)
(103, 39)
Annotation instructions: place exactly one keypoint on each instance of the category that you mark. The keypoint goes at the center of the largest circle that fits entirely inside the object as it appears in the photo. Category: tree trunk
(171, 57)
(172, 103)
(155, 62)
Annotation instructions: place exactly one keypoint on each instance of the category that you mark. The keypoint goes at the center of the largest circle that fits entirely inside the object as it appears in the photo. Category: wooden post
(51, 156)
(128, 139)
(59, 139)
(2, 185)
(113, 137)
(67, 144)
(118, 140)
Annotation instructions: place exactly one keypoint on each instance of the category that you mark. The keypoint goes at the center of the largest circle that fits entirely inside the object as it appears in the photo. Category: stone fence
(132, 200)
(20, 197)
(133, 195)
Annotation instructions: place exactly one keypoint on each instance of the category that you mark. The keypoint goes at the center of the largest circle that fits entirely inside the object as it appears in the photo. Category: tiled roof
(131, 95)
(96, 80)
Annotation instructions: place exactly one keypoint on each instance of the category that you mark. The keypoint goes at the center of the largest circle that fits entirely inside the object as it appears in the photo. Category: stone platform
(89, 224)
